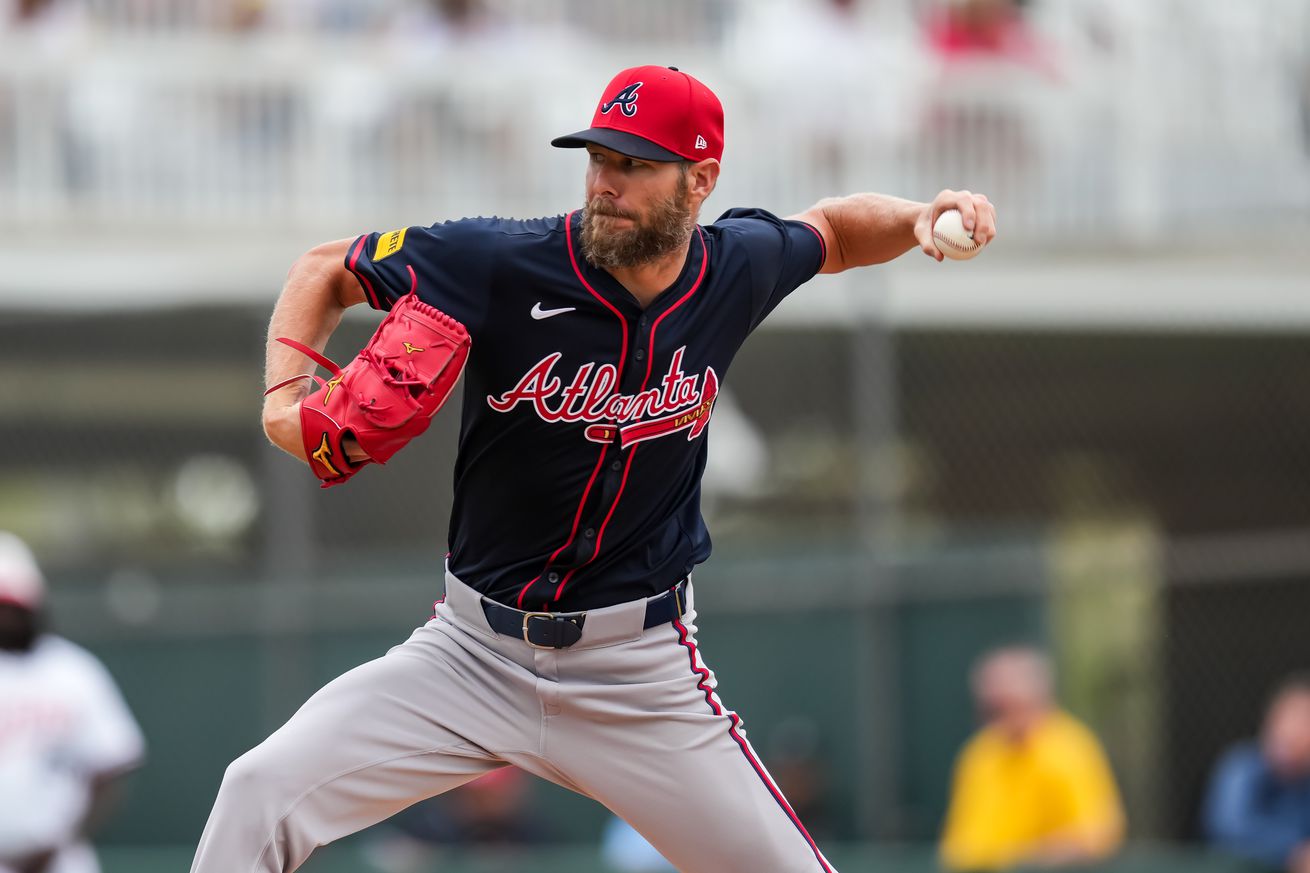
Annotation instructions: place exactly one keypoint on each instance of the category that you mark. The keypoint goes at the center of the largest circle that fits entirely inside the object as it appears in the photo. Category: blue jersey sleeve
(1246, 817)
(782, 255)
(450, 265)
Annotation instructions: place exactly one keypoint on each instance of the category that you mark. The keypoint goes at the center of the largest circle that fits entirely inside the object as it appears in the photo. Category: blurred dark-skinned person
(1258, 804)
(65, 733)
(1033, 786)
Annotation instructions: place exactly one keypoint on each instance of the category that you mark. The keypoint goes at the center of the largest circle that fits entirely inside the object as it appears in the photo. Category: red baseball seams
(952, 244)
(368, 286)
(734, 722)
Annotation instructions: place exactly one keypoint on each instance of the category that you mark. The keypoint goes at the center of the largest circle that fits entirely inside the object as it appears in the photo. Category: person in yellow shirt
(1033, 786)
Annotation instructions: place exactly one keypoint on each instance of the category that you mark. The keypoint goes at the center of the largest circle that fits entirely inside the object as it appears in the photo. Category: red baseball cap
(21, 582)
(656, 114)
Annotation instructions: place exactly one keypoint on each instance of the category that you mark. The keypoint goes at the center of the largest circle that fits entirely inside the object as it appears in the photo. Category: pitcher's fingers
(984, 230)
(968, 215)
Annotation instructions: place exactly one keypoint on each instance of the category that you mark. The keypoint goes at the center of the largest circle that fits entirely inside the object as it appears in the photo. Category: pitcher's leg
(664, 753)
(370, 743)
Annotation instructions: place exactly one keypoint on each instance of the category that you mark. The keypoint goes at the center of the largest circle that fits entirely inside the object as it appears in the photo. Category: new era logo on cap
(679, 117)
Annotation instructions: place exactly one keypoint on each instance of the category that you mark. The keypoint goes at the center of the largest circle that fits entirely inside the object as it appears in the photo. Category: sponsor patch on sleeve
(389, 244)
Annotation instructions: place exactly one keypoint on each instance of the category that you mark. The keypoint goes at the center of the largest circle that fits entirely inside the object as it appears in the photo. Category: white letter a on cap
(700, 142)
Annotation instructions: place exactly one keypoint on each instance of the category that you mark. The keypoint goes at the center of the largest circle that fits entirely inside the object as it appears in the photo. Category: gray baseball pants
(626, 716)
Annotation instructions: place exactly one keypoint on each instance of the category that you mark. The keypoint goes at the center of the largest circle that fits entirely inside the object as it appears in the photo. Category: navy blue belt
(559, 630)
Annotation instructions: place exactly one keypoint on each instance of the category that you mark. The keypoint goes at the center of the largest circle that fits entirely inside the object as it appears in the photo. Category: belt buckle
(527, 621)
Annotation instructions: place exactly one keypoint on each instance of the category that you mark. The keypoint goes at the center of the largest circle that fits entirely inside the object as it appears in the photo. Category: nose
(604, 182)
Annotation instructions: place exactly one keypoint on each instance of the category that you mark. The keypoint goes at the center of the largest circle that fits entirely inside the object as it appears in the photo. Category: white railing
(680, 22)
(281, 132)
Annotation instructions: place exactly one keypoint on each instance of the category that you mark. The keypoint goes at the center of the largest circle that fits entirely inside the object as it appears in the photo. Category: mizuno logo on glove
(390, 391)
(323, 454)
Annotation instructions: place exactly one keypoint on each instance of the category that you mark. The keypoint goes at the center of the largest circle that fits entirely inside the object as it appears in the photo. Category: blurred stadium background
(1096, 436)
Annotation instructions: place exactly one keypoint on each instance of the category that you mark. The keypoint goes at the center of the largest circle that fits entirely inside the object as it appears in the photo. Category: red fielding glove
(387, 395)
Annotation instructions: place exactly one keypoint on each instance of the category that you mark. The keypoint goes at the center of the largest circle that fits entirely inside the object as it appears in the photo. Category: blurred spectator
(1258, 806)
(65, 733)
(492, 813)
(431, 41)
(439, 25)
(626, 851)
(494, 810)
(35, 13)
(998, 110)
(426, 36)
(795, 762)
(1033, 786)
(331, 16)
(246, 16)
(50, 27)
(986, 30)
(850, 109)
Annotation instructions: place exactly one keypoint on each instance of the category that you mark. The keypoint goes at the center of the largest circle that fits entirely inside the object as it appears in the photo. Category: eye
(596, 157)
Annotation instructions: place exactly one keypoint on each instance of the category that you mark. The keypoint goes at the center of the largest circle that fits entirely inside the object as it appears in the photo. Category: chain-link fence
(886, 503)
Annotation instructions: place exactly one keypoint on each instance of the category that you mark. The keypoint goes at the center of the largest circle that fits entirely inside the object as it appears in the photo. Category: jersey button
(640, 354)
(616, 466)
(552, 577)
(589, 532)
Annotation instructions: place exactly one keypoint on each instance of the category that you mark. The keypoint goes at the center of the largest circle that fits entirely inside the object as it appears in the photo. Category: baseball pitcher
(593, 346)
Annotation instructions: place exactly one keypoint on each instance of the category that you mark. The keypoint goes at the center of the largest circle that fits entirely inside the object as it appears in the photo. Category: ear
(701, 179)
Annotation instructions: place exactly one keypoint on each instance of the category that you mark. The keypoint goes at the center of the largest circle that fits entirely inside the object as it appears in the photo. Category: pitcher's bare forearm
(318, 290)
(860, 230)
(867, 228)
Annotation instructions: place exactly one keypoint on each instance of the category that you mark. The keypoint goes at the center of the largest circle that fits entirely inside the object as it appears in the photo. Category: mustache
(601, 206)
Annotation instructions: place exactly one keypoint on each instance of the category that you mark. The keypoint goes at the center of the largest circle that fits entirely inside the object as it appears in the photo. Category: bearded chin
(664, 231)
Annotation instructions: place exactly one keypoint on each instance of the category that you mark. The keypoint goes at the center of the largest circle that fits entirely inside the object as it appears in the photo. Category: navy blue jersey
(583, 439)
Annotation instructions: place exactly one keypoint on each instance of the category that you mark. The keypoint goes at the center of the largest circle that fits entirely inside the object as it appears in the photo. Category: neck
(1019, 729)
(647, 281)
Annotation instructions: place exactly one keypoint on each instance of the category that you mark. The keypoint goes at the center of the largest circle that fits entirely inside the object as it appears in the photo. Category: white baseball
(952, 239)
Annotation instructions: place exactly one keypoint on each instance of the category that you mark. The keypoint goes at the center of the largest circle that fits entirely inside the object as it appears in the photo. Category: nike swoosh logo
(539, 313)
